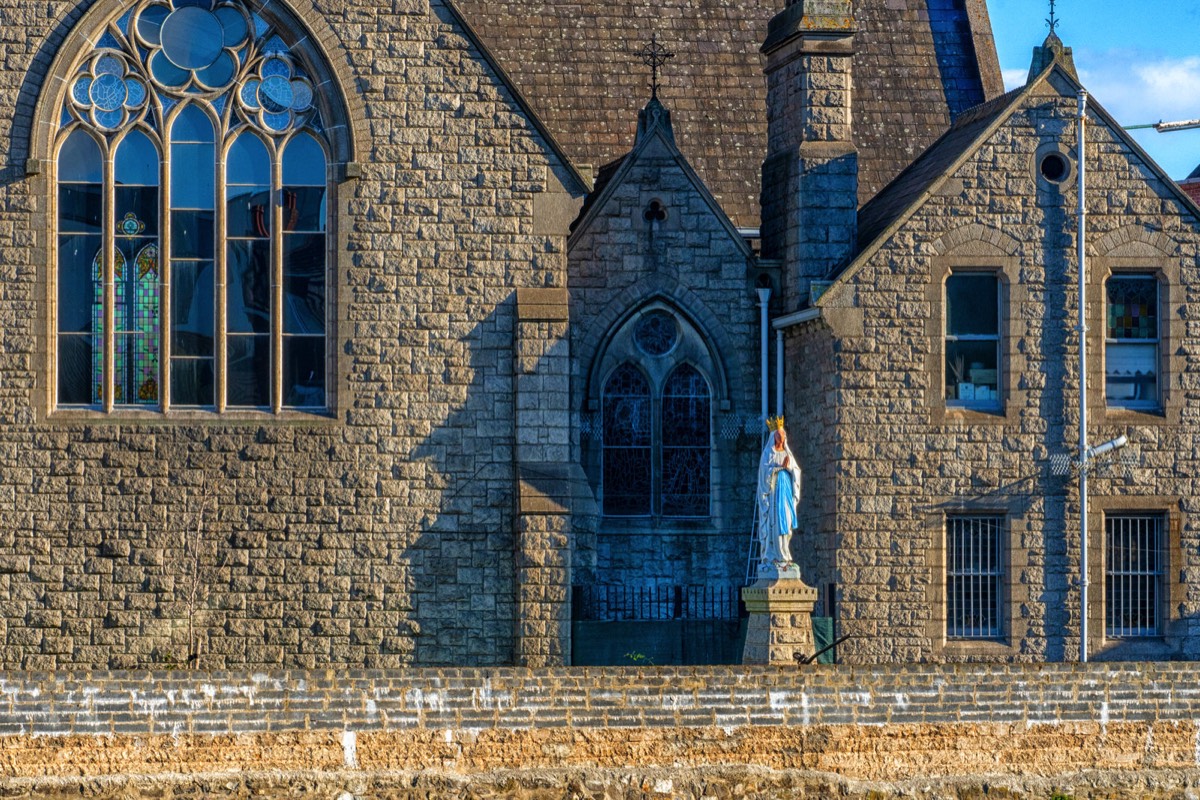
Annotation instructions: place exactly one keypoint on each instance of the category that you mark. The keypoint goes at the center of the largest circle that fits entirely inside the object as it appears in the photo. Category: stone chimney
(810, 176)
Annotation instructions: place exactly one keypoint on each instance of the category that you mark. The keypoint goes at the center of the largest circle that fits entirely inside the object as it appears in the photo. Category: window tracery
(150, 226)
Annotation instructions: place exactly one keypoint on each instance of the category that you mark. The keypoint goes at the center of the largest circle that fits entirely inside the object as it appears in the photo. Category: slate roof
(910, 185)
(918, 62)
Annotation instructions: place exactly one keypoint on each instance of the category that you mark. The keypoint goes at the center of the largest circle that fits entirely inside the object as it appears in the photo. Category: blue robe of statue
(783, 503)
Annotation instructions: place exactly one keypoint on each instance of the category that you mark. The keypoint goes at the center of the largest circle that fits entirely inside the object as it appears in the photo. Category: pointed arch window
(192, 206)
(657, 446)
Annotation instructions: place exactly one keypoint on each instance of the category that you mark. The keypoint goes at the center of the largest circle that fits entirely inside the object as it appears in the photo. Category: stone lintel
(535, 305)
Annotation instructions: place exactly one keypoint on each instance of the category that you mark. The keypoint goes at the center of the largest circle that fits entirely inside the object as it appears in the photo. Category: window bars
(1133, 575)
(974, 577)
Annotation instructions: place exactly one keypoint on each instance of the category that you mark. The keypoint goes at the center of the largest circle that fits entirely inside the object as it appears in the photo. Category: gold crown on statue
(774, 423)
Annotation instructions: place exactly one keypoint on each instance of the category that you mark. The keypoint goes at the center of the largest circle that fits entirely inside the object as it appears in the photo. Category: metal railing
(617, 603)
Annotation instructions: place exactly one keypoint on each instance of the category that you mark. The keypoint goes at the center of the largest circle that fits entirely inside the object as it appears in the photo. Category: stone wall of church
(694, 266)
(906, 461)
(380, 535)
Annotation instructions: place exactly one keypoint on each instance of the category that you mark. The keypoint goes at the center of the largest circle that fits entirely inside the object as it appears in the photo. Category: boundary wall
(1012, 730)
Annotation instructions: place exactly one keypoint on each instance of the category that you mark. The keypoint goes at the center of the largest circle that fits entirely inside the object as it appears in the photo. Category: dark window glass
(304, 371)
(249, 212)
(191, 234)
(76, 355)
(249, 365)
(1131, 356)
(137, 210)
(192, 308)
(192, 381)
(248, 300)
(686, 445)
(80, 206)
(973, 366)
(627, 439)
(304, 283)
(1134, 573)
(972, 304)
(304, 208)
(78, 285)
(974, 577)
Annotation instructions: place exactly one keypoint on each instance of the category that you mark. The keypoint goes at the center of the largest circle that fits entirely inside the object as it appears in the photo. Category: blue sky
(1139, 59)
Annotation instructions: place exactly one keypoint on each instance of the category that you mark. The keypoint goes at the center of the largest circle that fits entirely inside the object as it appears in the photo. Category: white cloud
(1014, 78)
(1137, 90)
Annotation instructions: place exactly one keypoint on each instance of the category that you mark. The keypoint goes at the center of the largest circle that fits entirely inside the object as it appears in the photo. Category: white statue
(778, 496)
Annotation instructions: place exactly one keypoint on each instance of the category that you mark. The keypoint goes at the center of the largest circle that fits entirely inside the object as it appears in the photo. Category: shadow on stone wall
(460, 557)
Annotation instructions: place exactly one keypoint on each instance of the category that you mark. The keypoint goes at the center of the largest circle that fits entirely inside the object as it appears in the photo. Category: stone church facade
(339, 334)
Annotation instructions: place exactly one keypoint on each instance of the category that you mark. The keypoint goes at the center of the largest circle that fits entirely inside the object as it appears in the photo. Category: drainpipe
(779, 373)
(764, 296)
(1083, 374)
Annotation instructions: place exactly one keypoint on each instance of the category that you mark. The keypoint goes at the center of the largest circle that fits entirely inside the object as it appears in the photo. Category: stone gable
(906, 460)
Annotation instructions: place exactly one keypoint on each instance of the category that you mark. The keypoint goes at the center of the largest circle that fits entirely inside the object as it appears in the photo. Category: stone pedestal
(780, 620)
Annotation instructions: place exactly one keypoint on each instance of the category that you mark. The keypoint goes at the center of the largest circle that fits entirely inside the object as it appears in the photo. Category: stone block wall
(379, 535)
(694, 264)
(907, 460)
(912, 731)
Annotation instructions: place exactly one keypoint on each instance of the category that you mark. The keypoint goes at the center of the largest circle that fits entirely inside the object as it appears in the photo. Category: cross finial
(1053, 20)
(654, 55)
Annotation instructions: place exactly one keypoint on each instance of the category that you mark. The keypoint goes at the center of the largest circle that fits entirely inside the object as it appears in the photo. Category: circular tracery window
(656, 333)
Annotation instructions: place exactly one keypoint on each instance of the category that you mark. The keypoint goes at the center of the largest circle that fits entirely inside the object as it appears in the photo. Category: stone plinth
(780, 621)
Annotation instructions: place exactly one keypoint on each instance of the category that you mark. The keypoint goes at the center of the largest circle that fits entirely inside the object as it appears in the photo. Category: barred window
(974, 577)
(191, 217)
(1134, 574)
(1131, 353)
(973, 352)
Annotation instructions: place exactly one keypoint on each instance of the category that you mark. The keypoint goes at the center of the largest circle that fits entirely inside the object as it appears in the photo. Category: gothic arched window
(657, 445)
(191, 217)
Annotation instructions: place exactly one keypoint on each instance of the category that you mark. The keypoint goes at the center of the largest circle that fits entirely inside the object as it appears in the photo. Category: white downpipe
(779, 373)
(764, 296)
(1083, 373)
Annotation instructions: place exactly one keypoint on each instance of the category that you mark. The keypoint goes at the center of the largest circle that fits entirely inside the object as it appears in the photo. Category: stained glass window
(656, 333)
(168, 85)
(660, 463)
(627, 442)
(1131, 354)
(686, 444)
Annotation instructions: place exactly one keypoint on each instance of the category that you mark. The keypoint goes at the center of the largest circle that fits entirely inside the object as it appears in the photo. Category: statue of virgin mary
(778, 496)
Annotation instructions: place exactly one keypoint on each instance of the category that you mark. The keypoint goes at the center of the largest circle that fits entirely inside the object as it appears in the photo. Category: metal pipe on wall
(764, 296)
(779, 373)
(1083, 446)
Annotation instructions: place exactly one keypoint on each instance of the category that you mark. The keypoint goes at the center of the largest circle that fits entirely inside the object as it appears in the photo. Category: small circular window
(1054, 167)
(656, 333)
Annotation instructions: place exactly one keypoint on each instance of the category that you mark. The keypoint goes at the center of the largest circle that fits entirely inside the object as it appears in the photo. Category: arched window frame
(691, 351)
(325, 119)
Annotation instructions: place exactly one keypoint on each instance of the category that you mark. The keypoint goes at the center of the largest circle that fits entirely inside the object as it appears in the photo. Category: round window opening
(656, 333)
(1054, 167)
